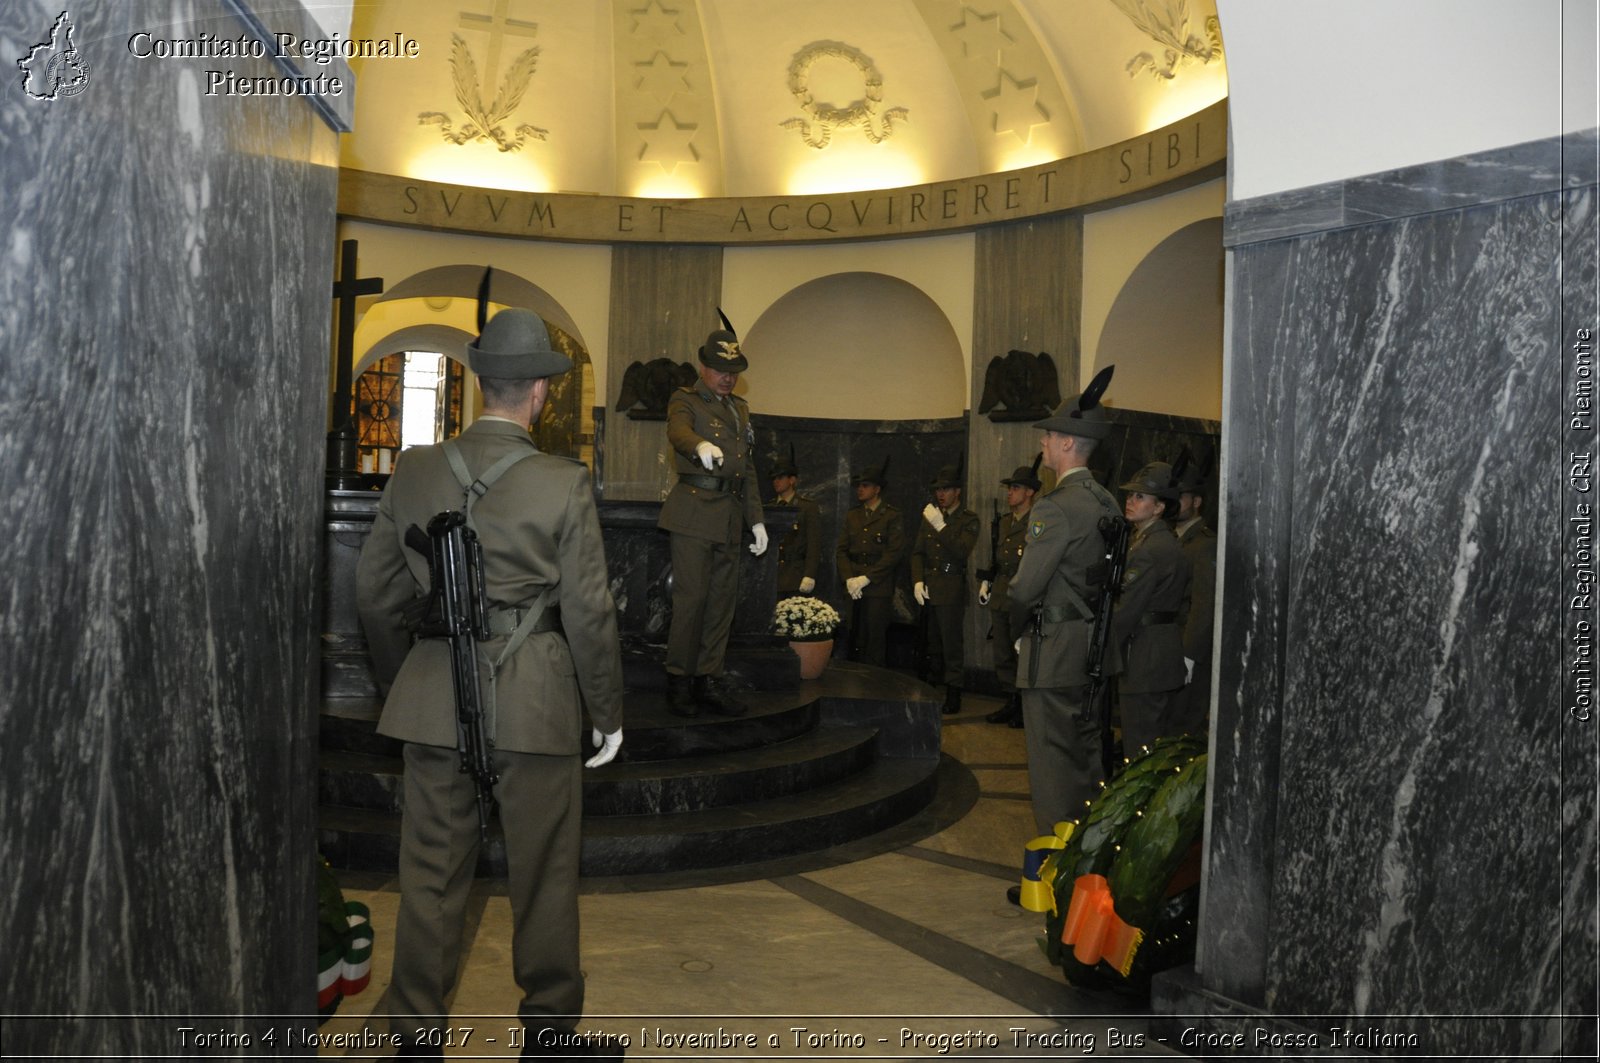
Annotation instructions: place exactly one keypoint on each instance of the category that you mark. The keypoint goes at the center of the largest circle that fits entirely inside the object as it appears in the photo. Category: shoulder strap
(474, 489)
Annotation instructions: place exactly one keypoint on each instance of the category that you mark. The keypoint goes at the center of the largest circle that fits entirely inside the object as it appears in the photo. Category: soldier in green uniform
(1199, 545)
(707, 511)
(1145, 624)
(871, 544)
(939, 554)
(554, 636)
(800, 549)
(995, 593)
(1053, 598)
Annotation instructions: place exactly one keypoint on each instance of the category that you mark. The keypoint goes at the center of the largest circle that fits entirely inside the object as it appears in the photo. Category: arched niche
(1164, 332)
(461, 281)
(857, 345)
(567, 425)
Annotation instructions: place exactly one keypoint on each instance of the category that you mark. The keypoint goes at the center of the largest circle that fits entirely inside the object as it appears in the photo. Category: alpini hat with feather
(1026, 475)
(1083, 416)
(1157, 480)
(721, 350)
(514, 345)
(785, 466)
(873, 474)
(948, 475)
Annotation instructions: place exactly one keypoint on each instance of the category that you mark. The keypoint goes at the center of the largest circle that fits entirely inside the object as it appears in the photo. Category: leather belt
(710, 483)
(503, 622)
(1155, 619)
(1055, 614)
(864, 559)
(950, 568)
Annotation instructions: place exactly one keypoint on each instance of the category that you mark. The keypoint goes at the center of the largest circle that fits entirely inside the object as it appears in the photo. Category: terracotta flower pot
(813, 654)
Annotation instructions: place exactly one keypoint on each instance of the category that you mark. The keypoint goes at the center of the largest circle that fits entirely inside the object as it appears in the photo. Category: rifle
(456, 613)
(1114, 531)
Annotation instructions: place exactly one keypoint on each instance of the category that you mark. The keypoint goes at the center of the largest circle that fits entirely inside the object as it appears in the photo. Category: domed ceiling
(691, 98)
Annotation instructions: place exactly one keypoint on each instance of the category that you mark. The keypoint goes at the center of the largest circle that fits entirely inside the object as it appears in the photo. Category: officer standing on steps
(871, 544)
(800, 549)
(707, 510)
(553, 637)
(1053, 598)
(944, 542)
(1021, 487)
(1145, 624)
(1199, 545)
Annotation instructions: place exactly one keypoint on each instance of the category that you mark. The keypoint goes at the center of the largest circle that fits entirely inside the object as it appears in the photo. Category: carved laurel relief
(866, 111)
(1167, 22)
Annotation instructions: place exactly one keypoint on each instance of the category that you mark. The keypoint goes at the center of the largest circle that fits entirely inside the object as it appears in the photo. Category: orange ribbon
(1094, 930)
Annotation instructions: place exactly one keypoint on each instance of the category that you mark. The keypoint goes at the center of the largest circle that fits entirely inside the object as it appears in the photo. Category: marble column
(1402, 808)
(164, 317)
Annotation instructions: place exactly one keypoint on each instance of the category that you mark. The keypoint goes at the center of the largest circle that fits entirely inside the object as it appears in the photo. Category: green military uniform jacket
(1145, 623)
(694, 508)
(1062, 571)
(871, 545)
(939, 558)
(1008, 559)
(539, 529)
(799, 546)
(1199, 545)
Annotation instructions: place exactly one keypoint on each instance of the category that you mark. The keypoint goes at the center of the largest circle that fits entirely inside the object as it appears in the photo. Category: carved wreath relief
(817, 127)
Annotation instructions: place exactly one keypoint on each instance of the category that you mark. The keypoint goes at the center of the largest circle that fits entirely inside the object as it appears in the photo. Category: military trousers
(869, 629)
(1064, 770)
(541, 806)
(705, 590)
(1193, 714)
(1147, 716)
(1005, 649)
(947, 636)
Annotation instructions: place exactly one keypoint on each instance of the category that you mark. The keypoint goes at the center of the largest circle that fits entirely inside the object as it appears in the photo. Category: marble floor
(902, 946)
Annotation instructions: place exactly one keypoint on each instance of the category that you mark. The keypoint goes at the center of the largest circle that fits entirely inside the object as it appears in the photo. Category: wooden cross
(346, 290)
(497, 25)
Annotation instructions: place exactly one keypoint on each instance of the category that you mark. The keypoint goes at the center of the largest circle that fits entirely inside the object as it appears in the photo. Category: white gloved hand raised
(609, 744)
(855, 585)
(709, 454)
(807, 585)
(759, 547)
(920, 592)
(1188, 670)
(983, 593)
(934, 516)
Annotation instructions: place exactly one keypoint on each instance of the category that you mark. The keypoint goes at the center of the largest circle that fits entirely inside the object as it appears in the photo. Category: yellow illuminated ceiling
(695, 98)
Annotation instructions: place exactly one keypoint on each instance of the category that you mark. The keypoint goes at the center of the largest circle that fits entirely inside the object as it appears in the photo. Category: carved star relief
(660, 77)
(982, 36)
(667, 143)
(656, 23)
(1016, 107)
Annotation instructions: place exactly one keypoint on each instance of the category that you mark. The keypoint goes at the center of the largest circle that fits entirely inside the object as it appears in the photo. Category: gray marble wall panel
(164, 319)
(1389, 809)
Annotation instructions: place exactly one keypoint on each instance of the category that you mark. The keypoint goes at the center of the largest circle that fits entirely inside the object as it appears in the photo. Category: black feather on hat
(514, 344)
(1083, 416)
(1026, 475)
(721, 350)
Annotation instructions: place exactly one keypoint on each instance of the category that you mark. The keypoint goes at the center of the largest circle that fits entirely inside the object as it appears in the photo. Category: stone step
(681, 784)
(884, 793)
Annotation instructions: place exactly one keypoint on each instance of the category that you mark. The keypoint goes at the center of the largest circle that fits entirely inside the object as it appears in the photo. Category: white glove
(934, 516)
(855, 585)
(983, 593)
(920, 593)
(1188, 670)
(709, 454)
(609, 744)
(807, 585)
(759, 547)
(1016, 647)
